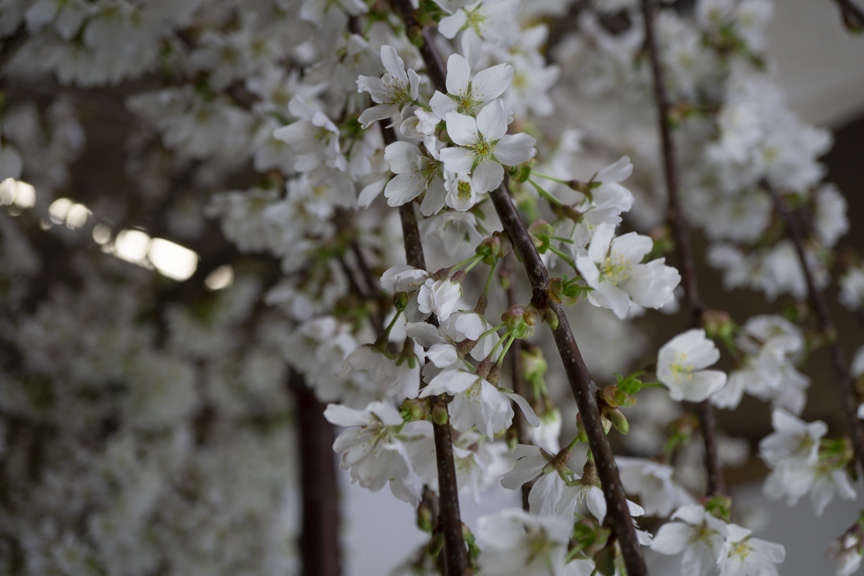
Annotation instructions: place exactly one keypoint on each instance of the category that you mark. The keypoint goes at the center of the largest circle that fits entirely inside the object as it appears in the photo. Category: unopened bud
(718, 324)
(413, 409)
(439, 414)
(424, 518)
(400, 300)
(551, 318)
(619, 421)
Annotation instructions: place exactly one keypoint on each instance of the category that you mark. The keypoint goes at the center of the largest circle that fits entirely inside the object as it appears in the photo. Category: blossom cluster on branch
(416, 199)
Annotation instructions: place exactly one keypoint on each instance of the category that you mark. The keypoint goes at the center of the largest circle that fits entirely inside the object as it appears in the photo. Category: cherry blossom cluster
(353, 155)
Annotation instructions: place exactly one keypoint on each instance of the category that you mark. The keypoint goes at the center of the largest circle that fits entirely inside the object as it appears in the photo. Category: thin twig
(580, 379)
(581, 383)
(365, 270)
(448, 489)
(819, 306)
(684, 256)
(516, 370)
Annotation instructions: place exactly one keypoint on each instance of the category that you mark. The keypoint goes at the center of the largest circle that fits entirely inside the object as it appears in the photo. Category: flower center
(741, 549)
(399, 93)
(482, 149)
(681, 370)
(615, 271)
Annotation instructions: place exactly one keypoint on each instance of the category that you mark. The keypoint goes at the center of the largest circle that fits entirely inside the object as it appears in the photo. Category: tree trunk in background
(320, 536)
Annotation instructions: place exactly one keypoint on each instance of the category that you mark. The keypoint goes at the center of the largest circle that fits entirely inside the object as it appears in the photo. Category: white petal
(487, 176)
(388, 415)
(401, 189)
(450, 381)
(394, 64)
(617, 172)
(462, 129)
(513, 149)
(596, 503)
(491, 83)
(464, 325)
(588, 269)
(443, 355)
(376, 113)
(295, 133)
(672, 538)
(441, 104)
(433, 201)
(376, 88)
(370, 192)
(600, 242)
(458, 74)
(631, 247)
(457, 160)
(402, 157)
(449, 26)
(612, 297)
(703, 384)
(525, 407)
(492, 121)
(339, 415)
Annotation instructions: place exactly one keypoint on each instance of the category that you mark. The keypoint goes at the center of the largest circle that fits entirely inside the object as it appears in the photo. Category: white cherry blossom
(483, 146)
(467, 93)
(372, 447)
(696, 533)
(744, 555)
(313, 138)
(681, 364)
(614, 271)
(477, 403)
(392, 92)
(439, 297)
(515, 543)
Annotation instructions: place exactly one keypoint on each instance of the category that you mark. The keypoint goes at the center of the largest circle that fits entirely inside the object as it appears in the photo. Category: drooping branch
(581, 383)
(580, 379)
(450, 520)
(683, 253)
(819, 307)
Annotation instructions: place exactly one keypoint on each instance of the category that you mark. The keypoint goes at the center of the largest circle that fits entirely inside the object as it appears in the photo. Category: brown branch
(581, 382)
(852, 15)
(516, 370)
(10, 45)
(365, 270)
(683, 253)
(450, 519)
(319, 538)
(819, 306)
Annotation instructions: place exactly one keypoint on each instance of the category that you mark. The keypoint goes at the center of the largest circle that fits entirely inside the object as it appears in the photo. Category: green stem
(386, 336)
(510, 338)
(542, 191)
(489, 277)
(469, 260)
(552, 178)
(474, 263)
(497, 344)
(564, 257)
(491, 330)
